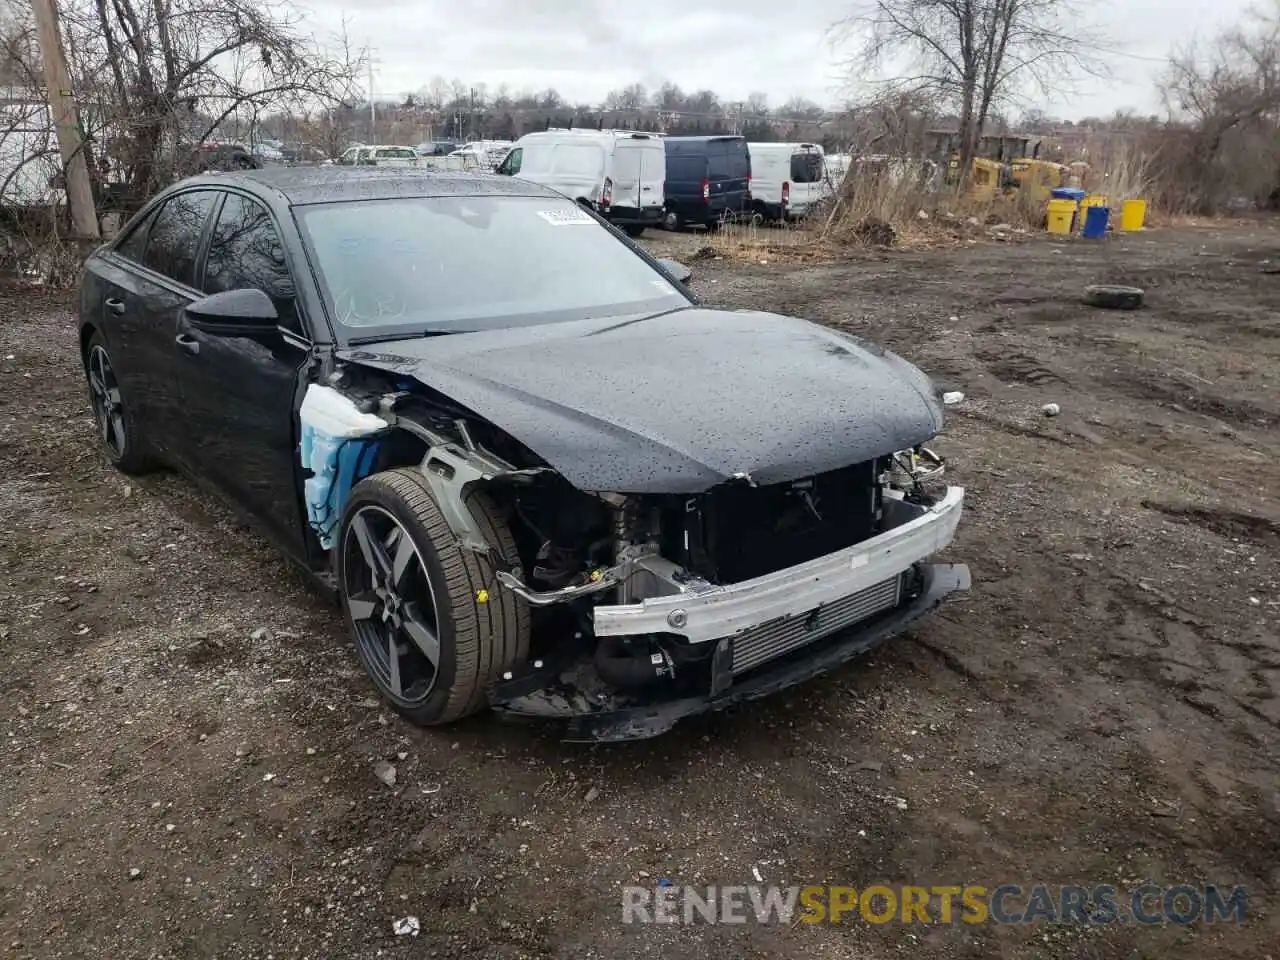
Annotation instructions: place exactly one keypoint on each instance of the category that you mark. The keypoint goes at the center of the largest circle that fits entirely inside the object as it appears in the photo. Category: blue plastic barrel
(1067, 193)
(1095, 222)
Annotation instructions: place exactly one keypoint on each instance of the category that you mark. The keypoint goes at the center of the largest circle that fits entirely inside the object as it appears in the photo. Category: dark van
(708, 180)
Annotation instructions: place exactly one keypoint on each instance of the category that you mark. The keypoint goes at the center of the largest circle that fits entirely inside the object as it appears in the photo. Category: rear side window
(175, 235)
(396, 153)
(806, 168)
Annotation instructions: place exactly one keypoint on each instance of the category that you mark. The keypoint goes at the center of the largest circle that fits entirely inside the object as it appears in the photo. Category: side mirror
(676, 270)
(235, 312)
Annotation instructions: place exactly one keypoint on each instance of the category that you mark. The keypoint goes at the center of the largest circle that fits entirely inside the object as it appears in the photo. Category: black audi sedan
(536, 473)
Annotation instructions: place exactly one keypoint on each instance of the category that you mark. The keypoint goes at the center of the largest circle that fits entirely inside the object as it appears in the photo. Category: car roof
(592, 134)
(302, 185)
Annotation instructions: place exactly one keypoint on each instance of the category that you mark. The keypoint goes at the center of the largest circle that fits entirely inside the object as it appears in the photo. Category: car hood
(677, 402)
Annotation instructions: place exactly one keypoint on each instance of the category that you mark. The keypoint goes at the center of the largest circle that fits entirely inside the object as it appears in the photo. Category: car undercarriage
(645, 608)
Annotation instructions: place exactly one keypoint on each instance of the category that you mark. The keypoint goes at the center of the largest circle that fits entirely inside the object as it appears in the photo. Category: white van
(617, 173)
(787, 179)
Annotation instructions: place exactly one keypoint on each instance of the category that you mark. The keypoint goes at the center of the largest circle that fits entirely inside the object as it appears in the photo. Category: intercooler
(761, 644)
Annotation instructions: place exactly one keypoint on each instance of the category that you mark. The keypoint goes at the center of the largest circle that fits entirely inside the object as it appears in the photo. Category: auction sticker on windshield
(565, 216)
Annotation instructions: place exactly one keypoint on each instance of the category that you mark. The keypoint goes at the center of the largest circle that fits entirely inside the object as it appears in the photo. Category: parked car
(787, 179)
(267, 153)
(218, 156)
(301, 153)
(386, 156)
(348, 156)
(436, 148)
(708, 180)
(618, 174)
(536, 473)
(486, 154)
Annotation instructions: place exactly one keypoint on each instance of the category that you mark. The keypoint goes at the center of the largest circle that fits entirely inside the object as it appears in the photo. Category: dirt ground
(188, 745)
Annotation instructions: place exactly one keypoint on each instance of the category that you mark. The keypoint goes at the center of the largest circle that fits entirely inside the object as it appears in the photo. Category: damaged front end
(647, 608)
(730, 595)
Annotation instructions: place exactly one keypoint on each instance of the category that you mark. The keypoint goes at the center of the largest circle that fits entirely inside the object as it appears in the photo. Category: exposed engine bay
(591, 563)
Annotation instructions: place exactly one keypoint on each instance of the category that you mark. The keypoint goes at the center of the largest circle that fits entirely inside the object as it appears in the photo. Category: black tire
(671, 220)
(1111, 297)
(478, 639)
(633, 230)
(123, 440)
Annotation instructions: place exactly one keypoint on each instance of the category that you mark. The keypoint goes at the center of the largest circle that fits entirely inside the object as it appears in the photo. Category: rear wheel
(118, 431)
(430, 623)
(672, 221)
(634, 230)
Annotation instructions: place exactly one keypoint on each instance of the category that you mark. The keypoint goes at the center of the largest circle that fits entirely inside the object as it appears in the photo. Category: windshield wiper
(408, 335)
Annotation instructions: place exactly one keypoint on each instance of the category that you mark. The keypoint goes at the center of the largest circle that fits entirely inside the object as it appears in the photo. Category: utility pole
(62, 108)
(373, 113)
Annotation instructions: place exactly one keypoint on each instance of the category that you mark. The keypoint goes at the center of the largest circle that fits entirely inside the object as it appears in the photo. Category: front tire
(431, 625)
(634, 231)
(118, 430)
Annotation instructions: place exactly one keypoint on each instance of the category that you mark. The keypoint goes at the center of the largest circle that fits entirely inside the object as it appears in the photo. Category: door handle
(115, 305)
(188, 343)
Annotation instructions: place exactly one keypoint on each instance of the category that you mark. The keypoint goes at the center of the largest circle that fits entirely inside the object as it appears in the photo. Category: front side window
(174, 237)
(245, 252)
(511, 165)
(134, 246)
(452, 264)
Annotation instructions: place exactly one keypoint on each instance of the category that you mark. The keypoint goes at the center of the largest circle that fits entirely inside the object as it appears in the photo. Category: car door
(240, 390)
(147, 279)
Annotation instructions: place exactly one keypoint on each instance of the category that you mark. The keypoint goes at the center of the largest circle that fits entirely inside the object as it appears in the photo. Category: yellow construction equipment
(1037, 177)
(1003, 163)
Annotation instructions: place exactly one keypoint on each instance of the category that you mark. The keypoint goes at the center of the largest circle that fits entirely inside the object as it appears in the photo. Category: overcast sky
(584, 48)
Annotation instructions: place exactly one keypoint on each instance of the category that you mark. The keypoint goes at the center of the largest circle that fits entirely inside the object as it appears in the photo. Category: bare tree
(971, 55)
(155, 78)
(1228, 91)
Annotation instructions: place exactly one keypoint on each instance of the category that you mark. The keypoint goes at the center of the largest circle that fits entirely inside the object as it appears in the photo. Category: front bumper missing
(704, 613)
(639, 722)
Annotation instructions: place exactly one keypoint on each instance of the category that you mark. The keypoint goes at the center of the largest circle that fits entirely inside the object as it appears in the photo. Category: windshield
(452, 264)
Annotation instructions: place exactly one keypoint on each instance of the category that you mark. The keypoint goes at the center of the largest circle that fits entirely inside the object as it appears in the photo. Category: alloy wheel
(104, 394)
(391, 604)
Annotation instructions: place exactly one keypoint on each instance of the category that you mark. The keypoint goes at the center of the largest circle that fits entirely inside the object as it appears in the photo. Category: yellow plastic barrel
(1062, 215)
(1094, 200)
(1132, 214)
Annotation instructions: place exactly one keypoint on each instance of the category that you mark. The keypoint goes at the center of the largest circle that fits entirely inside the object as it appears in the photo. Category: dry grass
(880, 209)
(919, 214)
(749, 241)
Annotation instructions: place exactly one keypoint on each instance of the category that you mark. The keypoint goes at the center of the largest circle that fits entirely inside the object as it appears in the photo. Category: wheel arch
(87, 331)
